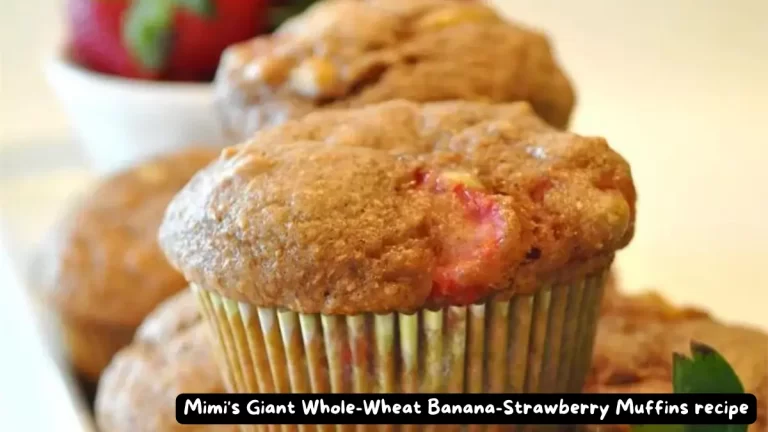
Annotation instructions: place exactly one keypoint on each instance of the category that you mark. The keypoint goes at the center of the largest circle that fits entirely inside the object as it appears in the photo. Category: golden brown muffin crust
(89, 347)
(103, 263)
(638, 336)
(350, 53)
(171, 355)
(336, 213)
(137, 392)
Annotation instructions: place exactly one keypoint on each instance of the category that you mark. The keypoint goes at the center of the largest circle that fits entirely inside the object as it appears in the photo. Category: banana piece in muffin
(350, 53)
(170, 356)
(101, 270)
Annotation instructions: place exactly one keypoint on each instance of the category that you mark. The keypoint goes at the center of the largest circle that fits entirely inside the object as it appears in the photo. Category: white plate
(36, 180)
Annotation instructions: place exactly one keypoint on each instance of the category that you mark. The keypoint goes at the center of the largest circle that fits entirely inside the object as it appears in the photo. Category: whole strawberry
(160, 39)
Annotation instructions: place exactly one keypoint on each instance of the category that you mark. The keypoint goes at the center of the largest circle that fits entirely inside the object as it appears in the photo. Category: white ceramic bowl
(123, 121)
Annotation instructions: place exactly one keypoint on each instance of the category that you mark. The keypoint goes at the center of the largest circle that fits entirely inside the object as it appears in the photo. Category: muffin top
(171, 355)
(637, 338)
(103, 262)
(397, 206)
(350, 53)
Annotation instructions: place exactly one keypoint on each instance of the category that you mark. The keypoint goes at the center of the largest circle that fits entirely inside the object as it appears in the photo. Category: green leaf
(706, 371)
(148, 31)
(203, 8)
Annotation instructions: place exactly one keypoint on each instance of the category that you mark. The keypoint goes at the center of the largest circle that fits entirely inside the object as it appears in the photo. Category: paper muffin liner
(540, 343)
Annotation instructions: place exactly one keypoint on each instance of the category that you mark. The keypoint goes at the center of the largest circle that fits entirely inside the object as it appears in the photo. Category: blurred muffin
(332, 251)
(349, 53)
(636, 340)
(102, 271)
(648, 305)
(170, 356)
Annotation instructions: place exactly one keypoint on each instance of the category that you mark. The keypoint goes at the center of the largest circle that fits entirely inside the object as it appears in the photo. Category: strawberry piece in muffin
(471, 231)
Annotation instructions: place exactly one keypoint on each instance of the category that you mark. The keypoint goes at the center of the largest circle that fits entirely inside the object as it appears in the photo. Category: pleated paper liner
(540, 343)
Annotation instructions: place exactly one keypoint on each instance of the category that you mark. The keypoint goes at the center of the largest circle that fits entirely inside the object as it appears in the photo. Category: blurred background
(679, 87)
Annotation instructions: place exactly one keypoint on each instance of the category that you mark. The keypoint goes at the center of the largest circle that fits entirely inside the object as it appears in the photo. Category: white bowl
(123, 121)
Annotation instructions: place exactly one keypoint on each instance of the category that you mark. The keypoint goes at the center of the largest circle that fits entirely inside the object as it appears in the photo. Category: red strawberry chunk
(470, 229)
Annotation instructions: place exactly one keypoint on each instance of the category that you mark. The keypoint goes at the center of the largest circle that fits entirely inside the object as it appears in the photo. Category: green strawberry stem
(706, 371)
(148, 28)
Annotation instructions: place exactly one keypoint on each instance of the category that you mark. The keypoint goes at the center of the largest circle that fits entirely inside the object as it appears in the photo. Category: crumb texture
(398, 206)
(349, 53)
(102, 263)
(171, 355)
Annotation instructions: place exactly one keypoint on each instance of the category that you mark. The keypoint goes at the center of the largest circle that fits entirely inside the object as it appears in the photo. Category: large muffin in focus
(350, 53)
(170, 356)
(400, 247)
(101, 271)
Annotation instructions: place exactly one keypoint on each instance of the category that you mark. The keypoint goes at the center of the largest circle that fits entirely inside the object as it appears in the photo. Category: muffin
(170, 356)
(636, 340)
(350, 53)
(102, 271)
(446, 247)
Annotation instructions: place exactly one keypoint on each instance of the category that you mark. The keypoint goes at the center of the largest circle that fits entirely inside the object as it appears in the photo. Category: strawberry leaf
(147, 32)
(706, 371)
(202, 8)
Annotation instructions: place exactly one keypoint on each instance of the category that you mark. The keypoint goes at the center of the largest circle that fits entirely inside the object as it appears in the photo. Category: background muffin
(170, 356)
(638, 335)
(102, 271)
(348, 53)
(384, 248)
